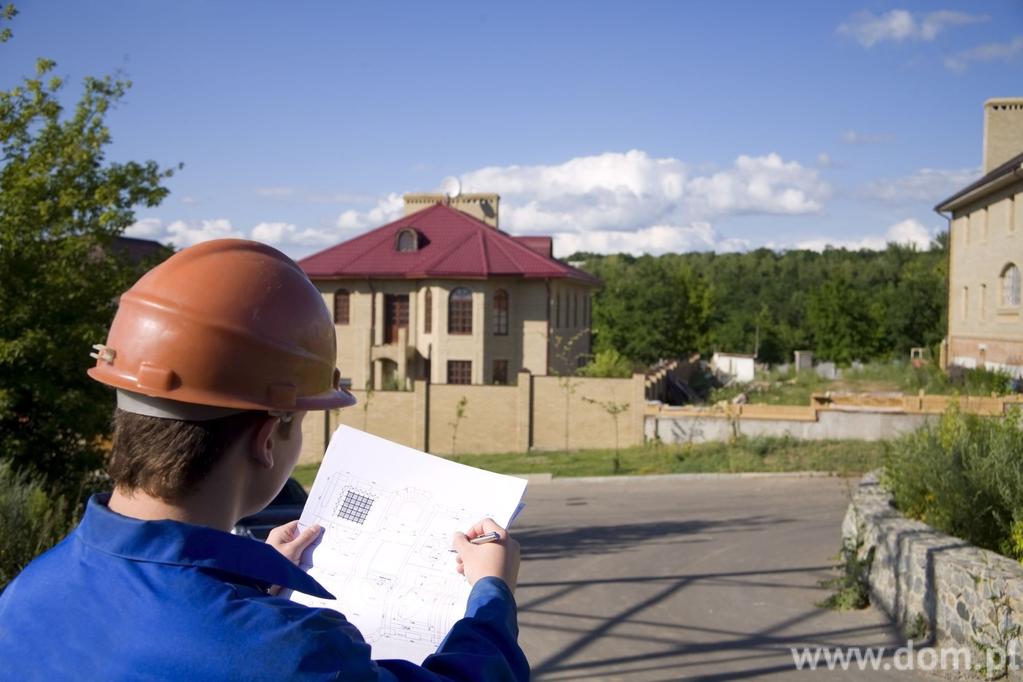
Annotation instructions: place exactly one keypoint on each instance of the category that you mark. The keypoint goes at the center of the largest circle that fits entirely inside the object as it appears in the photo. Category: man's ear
(261, 448)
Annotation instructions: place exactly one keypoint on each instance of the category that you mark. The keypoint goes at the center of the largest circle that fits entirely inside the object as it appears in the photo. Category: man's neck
(195, 509)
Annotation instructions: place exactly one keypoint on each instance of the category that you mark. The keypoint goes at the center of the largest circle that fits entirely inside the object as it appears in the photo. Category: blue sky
(642, 126)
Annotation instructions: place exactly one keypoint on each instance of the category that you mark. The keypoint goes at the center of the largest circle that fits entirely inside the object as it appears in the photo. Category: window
(575, 310)
(501, 372)
(459, 371)
(395, 316)
(1012, 214)
(341, 306)
(557, 311)
(460, 311)
(408, 241)
(428, 311)
(1010, 286)
(501, 312)
(966, 302)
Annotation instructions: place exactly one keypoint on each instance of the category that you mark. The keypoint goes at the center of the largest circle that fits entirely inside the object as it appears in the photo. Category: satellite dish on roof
(451, 186)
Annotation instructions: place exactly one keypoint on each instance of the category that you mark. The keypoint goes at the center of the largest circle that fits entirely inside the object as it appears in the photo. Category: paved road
(667, 579)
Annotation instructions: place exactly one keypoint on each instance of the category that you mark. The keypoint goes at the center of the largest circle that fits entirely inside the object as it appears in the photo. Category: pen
(482, 539)
(485, 538)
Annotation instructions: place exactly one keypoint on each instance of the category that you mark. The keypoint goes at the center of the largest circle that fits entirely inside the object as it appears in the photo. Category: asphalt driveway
(634, 579)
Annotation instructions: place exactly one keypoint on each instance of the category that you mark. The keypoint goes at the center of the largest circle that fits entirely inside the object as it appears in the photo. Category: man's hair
(168, 458)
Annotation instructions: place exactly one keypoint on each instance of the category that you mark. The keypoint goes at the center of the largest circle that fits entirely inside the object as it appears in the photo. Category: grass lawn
(843, 457)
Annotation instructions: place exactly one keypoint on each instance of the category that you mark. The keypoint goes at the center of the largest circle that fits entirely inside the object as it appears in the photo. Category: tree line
(844, 305)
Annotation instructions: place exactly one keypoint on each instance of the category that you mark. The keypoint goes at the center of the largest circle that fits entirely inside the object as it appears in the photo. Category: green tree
(915, 303)
(61, 206)
(652, 308)
(772, 302)
(843, 322)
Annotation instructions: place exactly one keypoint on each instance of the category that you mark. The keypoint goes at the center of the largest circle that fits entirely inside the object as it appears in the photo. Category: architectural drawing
(385, 549)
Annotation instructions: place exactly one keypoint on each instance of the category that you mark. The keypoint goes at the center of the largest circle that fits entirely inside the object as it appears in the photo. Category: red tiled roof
(452, 245)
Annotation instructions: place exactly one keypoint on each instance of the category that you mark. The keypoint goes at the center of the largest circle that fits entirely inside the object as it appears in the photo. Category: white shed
(739, 367)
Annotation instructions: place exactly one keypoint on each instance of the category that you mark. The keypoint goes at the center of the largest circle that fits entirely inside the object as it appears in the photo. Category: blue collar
(183, 544)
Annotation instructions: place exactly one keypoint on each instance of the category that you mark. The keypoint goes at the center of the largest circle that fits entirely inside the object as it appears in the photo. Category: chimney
(482, 206)
(1003, 131)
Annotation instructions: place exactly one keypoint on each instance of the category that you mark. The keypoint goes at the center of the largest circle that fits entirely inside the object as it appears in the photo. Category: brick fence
(538, 413)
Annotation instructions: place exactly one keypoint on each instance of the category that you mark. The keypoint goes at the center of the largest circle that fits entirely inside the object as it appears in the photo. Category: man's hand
(499, 559)
(288, 541)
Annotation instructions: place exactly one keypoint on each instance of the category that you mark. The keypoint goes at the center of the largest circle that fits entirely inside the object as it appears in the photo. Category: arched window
(501, 312)
(408, 241)
(341, 306)
(428, 311)
(460, 311)
(1010, 286)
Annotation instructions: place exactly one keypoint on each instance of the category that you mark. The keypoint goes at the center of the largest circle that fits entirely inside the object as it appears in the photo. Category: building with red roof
(443, 294)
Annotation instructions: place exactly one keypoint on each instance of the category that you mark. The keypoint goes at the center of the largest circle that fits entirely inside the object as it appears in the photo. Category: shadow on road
(679, 646)
(566, 542)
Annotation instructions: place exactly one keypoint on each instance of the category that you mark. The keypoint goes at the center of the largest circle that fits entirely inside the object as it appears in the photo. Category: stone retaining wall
(919, 573)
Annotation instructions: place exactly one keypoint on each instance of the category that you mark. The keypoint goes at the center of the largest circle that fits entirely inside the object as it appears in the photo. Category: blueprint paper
(388, 513)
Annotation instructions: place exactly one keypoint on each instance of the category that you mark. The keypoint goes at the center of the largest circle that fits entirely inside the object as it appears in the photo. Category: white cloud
(630, 201)
(147, 228)
(632, 191)
(854, 137)
(655, 240)
(182, 233)
(764, 184)
(388, 209)
(899, 25)
(986, 53)
(824, 160)
(189, 201)
(287, 234)
(926, 184)
(909, 232)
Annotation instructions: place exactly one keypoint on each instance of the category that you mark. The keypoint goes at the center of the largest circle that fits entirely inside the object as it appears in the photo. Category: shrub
(32, 520)
(852, 585)
(608, 363)
(964, 476)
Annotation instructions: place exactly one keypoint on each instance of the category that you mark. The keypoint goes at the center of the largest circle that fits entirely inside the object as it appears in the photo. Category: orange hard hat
(227, 323)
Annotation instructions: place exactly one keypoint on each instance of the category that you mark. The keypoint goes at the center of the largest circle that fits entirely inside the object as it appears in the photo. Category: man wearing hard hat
(216, 355)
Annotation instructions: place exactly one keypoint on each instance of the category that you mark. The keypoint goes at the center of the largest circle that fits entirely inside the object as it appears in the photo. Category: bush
(31, 520)
(608, 363)
(964, 476)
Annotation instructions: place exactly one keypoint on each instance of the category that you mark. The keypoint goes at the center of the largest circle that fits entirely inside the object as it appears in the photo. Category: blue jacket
(121, 598)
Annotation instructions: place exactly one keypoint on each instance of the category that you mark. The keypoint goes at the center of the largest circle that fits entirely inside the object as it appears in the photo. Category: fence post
(524, 407)
(421, 415)
(638, 407)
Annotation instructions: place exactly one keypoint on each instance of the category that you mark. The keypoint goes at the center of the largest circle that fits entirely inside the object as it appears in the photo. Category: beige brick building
(985, 316)
(443, 295)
